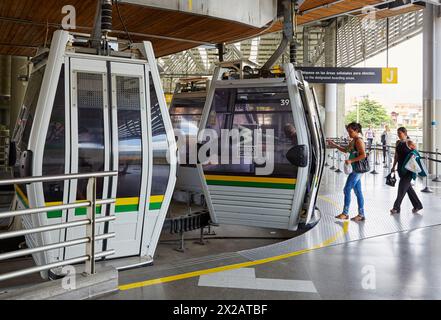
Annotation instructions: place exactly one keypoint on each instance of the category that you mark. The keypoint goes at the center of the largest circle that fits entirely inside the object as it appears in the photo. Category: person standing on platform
(404, 147)
(386, 142)
(357, 152)
(370, 136)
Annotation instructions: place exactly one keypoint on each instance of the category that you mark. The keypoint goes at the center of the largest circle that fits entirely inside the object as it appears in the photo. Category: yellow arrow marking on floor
(198, 273)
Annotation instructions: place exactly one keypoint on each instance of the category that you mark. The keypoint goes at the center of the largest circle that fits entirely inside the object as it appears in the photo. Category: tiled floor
(384, 257)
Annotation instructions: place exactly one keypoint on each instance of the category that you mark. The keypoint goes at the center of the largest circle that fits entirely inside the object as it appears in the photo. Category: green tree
(371, 113)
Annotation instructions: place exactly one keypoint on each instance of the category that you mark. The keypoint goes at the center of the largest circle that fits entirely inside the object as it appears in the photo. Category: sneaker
(394, 211)
(415, 210)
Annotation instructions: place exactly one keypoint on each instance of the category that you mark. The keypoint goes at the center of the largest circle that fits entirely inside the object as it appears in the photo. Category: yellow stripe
(155, 199)
(135, 200)
(127, 201)
(51, 204)
(251, 179)
(119, 201)
(193, 274)
(18, 190)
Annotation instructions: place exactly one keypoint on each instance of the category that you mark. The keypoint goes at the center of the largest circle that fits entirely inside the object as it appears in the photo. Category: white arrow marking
(245, 278)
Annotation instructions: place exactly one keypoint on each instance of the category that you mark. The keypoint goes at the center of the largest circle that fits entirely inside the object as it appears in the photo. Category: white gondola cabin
(84, 112)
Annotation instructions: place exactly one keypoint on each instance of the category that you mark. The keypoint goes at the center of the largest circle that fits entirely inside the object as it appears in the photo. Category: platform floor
(384, 257)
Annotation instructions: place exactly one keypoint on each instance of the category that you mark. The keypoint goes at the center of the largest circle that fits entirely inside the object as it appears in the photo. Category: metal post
(388, 158)
(181, 241)
(338, 163)
(375, 162)
(333, 160)
(436, 179)
(376, 154)
(427, 189)
(90, 228)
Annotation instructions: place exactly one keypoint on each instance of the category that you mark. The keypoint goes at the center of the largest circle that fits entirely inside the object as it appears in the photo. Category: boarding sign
(350, 75)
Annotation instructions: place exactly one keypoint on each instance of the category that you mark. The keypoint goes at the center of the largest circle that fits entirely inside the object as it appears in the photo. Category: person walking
(357, 152)
(370, 136)
(386, 141)
(403, 148)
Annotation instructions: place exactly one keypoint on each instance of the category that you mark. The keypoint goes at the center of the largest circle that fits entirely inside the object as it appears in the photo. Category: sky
(408, 58)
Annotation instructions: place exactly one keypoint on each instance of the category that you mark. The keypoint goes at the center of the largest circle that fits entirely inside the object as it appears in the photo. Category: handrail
(392, 147)
(57, 178)
(89, 222)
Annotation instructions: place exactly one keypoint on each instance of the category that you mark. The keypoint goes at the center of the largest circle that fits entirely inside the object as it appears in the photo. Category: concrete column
(437, 76)
(331, 110)
(19, 69)
(341, 108)
(428, 74)
(5, 89)
(331, 88)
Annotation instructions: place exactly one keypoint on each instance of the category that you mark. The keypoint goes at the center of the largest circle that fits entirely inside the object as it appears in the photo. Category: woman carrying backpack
(403, 148)
(357, 152)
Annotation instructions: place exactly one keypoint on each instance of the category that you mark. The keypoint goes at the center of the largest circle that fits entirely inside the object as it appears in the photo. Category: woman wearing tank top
(357, 152)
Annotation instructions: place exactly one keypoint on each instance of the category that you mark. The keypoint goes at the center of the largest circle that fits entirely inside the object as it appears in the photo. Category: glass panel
(24, 123)
(29, 106)
(90, 129)
(248, 109)
(161, 167)
(186, 114)
(54, 149)
(129, 140)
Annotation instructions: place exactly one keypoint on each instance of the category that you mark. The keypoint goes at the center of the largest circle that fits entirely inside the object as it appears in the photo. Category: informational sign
(350, 75)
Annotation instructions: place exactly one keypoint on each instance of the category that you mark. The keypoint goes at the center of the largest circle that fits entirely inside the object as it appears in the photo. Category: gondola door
(129, 156)
(108, 130)
(90, 141)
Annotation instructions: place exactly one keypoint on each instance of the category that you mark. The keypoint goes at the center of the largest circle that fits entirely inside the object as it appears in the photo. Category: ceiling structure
(354, 43)
(26, 25)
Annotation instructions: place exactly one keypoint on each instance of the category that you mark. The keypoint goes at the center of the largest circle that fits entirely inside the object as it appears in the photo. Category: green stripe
(251, 184)
(155, 205)
(83, 211)
(127, 208)
(54, 214)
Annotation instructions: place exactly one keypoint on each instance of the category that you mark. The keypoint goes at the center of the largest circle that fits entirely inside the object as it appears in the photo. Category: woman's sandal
(342, 216)
(358, 218)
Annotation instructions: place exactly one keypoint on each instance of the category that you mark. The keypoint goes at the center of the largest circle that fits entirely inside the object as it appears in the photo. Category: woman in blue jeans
(357, 152)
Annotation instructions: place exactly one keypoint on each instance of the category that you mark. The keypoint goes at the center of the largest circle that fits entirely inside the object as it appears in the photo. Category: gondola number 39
(284, 102)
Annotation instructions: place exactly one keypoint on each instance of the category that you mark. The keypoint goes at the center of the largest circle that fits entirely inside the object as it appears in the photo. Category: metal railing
(429, 156)
(89, 222)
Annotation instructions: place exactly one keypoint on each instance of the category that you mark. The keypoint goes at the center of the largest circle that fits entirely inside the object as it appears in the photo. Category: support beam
(19, 69)
(5, 89)
(331, 88)
(437, 75)
(428, 79)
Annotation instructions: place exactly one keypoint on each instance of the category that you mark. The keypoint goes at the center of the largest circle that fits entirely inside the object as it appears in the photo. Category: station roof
(26, 25)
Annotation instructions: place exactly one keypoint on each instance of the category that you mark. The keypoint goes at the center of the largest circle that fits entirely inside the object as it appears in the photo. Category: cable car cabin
(186, 113)
(285, 111)
(83, 113)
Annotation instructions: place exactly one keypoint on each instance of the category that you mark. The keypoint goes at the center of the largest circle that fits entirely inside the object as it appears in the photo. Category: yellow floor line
(193, 274)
